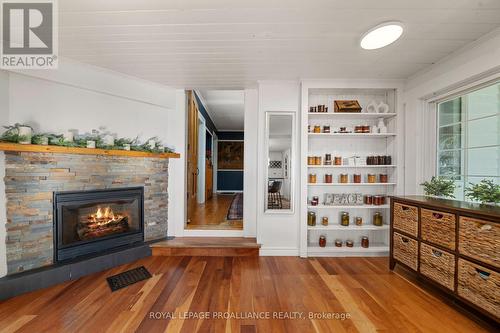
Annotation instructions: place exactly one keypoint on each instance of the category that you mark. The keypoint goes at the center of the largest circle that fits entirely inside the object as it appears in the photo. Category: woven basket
(405, 250)
(437, 265)
(480, 240)
(479, 286)
(438, 227)
(406, 218)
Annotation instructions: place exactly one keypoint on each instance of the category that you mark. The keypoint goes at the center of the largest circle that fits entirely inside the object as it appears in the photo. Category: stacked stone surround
(32, 178)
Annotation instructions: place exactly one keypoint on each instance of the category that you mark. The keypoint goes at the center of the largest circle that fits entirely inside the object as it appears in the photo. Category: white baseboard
(279, 251)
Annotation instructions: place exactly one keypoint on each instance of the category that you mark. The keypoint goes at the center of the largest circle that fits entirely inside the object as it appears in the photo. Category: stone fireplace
(90, 222)
(36, 183)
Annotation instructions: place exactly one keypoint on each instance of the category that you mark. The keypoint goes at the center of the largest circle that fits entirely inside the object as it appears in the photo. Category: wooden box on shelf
(346, 106)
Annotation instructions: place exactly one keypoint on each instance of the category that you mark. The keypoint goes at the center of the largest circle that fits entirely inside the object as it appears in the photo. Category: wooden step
(207, 247)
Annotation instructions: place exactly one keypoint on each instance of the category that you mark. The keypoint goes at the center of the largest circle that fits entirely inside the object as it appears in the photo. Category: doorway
(215, 160)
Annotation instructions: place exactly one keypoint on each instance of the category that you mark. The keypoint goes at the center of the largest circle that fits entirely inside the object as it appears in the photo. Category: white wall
(250, 186)
(83, 97)
(278, 233)
(477, 63)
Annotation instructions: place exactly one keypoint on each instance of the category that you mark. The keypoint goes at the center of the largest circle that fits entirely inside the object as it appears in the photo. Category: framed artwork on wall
(230, 155)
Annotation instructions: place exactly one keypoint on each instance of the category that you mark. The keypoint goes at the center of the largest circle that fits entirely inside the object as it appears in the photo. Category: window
(468, 145)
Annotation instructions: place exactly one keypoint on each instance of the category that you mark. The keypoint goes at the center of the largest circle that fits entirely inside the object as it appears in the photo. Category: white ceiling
(232, 44)
(225, 107)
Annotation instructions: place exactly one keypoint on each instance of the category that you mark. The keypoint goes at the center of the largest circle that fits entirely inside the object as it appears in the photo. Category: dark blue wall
(229, 180)
(209, 123)
(231, 135)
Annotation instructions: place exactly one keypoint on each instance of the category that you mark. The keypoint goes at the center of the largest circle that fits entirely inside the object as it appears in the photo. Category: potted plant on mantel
(439, 187)
(486, 192)
(19, 133)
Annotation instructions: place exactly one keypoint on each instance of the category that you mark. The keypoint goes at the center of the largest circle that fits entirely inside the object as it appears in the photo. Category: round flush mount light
(382, 35)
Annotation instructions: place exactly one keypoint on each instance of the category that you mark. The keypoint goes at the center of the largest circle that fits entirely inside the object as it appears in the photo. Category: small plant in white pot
(18, 133)
(439, 187)
(486, 192)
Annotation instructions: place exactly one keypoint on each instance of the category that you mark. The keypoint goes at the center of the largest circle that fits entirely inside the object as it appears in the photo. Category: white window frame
(464, 120)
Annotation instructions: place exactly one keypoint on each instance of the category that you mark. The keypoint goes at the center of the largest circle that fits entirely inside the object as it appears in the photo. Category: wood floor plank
(375, 298)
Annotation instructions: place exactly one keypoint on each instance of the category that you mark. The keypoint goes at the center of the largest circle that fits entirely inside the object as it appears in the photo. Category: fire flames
(101, 223)
(103, 216)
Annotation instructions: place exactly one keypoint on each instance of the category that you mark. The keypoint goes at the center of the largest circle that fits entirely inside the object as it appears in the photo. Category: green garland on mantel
(12, 135)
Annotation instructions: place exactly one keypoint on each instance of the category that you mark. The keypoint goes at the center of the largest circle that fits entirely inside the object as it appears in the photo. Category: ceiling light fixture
(382, 35)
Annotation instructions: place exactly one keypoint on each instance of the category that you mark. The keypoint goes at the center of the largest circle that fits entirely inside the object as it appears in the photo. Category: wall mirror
(280, 138)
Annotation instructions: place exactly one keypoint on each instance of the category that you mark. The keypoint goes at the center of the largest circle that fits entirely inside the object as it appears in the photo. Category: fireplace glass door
(94, 221)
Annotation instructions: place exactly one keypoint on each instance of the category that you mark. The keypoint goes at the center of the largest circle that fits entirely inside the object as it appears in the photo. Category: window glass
(468, 145)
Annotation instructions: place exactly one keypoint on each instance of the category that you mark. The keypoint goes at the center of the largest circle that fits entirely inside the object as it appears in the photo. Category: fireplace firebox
(92, 222)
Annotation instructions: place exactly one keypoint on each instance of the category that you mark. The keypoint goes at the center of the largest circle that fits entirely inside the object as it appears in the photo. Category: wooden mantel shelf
(7, 146)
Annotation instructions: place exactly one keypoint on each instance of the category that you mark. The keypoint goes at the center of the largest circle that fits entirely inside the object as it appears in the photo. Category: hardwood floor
(374, 298)
(213, 214)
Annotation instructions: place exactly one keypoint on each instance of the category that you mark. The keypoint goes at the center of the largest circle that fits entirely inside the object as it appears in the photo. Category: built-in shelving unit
(347, 145)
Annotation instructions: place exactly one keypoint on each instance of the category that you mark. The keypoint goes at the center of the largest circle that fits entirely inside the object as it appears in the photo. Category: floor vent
(128, 278)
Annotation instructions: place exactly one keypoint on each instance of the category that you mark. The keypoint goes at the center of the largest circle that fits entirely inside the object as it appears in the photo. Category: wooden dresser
(451, 244)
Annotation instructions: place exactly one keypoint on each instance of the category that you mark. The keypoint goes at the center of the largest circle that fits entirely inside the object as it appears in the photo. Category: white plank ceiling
(233, 43)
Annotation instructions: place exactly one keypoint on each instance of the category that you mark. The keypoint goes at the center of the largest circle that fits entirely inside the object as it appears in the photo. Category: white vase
(68, 136)
(372, 107)
(152, 144)
(90, 144)
(126, 146)
(381, 126)
(25, 133)
(108, 140)
(382, 108)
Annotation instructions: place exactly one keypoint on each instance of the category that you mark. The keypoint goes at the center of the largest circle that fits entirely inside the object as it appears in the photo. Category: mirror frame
(291, 162)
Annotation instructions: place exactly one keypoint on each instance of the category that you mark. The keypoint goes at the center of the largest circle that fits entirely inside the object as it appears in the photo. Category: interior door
(192, 156)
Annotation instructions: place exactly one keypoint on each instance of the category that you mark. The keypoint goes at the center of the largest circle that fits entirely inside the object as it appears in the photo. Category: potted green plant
(18, 133)
(439, 187)
(40, 139)
(486, 192)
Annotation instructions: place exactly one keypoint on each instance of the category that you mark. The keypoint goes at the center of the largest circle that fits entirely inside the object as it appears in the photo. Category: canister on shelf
(315, 201)
(311, 219)
(357, 178)
(371, 178)
(322, 241)
(338, 243)
(344, 178)
(326, 129)
(380, 160)
(377, 200)
(377, 219)
(365, 242)
(383, 178)
(324, 221)
(368, 200)
(328, 159)
(388, 160)
(328, 178)
(311, 160)
(317, 129)
(317, 160)
(349, 243)
(344, 219)
(338, 160)
(359, 221)
(312, 178)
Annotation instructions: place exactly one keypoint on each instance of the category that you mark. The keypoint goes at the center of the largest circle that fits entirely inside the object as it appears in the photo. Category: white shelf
(351, 184)
(351, 115)
(350, 166)
(349, 207)
(331, 251)
(349, 228)
(352, 135)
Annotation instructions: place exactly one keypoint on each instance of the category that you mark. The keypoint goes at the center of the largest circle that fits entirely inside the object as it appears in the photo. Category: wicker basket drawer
(405, 250)
(478, 239)
(406, 218)
(438, 227)
(479, 286)
(437, 265)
